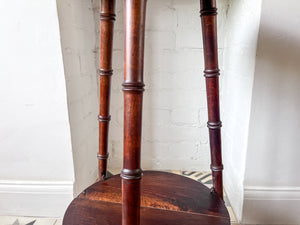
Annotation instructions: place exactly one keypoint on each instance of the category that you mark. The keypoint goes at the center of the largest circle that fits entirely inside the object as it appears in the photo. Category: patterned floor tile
(58, 222)
(7, 220)
(203, 177)
(45, 221)
(12, 220)
(178, 172)
(17, 220)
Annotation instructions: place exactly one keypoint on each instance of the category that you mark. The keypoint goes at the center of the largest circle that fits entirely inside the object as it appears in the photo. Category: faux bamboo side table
(149, 198)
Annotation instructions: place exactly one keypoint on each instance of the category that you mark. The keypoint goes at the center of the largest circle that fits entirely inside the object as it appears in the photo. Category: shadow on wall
(78, 45)
(240, 43)
(275, 119)
(271, 180)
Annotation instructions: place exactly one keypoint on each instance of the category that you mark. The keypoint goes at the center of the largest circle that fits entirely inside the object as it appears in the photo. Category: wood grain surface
(165, 199)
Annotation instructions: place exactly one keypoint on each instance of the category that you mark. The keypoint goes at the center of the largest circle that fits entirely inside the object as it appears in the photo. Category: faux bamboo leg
(107, 18)
(209, 31)
(133, 88)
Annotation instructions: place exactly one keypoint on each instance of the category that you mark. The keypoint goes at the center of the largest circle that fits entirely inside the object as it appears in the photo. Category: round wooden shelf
(166, 199)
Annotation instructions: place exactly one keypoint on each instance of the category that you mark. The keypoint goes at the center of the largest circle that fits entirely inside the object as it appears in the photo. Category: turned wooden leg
(107, 18)
(133, 88)
(209, 31)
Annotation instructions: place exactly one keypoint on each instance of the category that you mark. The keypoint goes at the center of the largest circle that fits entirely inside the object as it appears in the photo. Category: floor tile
(176, 172)
(58, 222)
(7, 220)
(18, 220)
(45, 221)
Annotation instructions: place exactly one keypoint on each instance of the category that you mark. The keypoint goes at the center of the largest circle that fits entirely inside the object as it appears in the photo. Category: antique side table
(149, 198)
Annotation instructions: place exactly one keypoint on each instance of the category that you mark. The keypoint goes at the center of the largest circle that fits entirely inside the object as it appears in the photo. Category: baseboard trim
(271, 205)
(35, 198)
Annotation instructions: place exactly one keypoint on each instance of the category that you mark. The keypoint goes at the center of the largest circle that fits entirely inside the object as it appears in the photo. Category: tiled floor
(203, 177)
(12, 220)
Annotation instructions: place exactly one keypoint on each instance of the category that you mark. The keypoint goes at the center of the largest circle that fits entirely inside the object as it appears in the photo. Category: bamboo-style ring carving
(103, 72)
(102, 157)
(104, 119)
(108, 16)
(214, 125)
(128, 174)
(133, 86)
(216, 168)
(211, 73)
(208, 11)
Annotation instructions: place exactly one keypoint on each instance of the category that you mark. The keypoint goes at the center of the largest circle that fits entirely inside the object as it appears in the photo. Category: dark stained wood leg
(107, 18)
(209, 31)
(133, 87)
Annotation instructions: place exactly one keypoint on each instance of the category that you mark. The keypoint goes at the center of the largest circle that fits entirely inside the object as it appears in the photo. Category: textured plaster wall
(240, 43)
(175, 135)
(77, 31)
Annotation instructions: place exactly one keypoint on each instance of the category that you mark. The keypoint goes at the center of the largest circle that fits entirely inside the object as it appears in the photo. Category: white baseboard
(38, 199)
(269, 205)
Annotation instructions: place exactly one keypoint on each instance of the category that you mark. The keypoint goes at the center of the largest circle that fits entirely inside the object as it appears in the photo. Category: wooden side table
(135, 197)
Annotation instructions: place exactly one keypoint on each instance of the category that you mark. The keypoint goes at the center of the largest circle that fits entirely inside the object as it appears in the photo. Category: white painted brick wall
(77, 30)
(174, 117)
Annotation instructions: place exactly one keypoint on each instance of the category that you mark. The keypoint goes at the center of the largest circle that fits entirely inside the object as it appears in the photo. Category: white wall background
(77, 31)
(239, 63)
(259, 102)
(36, 168)
(175, 135)
(272, 181)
